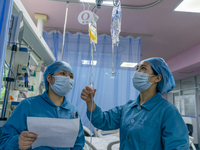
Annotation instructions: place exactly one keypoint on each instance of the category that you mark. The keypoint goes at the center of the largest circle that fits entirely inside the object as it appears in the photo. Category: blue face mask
(140, 81)
(62, 85)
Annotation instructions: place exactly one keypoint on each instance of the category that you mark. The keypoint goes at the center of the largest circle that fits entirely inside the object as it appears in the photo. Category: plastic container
(14, 95)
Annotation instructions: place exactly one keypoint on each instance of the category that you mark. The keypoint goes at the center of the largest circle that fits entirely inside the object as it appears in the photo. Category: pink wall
(185, 59)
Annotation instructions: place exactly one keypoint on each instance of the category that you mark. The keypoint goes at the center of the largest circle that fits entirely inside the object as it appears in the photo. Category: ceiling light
(189, 6)
(88, 1)
(127, 64)
(94, 1)
(88, 62)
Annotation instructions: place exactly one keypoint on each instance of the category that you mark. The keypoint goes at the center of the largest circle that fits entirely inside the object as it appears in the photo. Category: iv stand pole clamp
(12, 60)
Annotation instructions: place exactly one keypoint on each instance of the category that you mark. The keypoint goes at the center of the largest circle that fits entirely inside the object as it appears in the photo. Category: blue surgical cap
(167, 82)
(54, 67)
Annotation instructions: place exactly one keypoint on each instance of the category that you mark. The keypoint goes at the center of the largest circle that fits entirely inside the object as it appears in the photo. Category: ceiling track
(122, 6)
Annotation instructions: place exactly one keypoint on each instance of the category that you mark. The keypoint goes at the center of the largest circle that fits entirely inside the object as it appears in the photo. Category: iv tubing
(112, 58)
(94, 46)
(92, 94)
(64, 31)
(92, 62)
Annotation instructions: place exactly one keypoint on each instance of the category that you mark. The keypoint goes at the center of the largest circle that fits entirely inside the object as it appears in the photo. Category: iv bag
(116, 23)
(93, 29)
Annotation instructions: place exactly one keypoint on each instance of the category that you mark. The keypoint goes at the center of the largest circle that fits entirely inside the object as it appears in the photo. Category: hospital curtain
(112, 90)
(5, 15)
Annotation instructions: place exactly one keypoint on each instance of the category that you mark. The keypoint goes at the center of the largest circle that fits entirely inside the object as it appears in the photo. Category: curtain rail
(101, 32)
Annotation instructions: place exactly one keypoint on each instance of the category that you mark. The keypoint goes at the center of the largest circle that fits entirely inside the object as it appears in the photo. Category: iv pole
(12, 60)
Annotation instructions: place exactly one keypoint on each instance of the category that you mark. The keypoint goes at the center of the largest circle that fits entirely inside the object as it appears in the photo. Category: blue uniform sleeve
(80, 141)
(174, 131)
(108, 120)
(13, 127)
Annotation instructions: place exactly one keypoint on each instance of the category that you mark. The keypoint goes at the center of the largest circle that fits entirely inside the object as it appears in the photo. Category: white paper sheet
(53, 132)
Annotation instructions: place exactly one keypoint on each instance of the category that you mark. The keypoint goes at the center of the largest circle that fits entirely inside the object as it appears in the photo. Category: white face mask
(140, 81)
(62, 85)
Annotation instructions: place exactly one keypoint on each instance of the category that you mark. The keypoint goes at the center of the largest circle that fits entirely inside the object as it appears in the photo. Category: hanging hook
(88, 6)
(95, 11)
(83, 6)
(99, 3)
(93, 8)
(115, 2)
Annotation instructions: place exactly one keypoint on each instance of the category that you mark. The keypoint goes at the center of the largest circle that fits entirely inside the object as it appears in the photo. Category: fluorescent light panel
(94, 1)
(88, 62)
(127, 64)
(189, 6)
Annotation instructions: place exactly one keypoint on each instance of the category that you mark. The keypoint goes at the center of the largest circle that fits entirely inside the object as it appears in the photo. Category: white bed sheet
(102, 143)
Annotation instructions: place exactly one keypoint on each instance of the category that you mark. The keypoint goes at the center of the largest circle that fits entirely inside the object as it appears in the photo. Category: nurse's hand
(86, 94)
(26, 139)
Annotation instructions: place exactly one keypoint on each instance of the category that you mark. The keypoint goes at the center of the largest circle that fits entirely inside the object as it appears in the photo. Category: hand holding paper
(26, 139)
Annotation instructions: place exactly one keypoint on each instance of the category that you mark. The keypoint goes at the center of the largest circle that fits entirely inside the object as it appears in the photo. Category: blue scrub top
(154, 125)
(38, 106)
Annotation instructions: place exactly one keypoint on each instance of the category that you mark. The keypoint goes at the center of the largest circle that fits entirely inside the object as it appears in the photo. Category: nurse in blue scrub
(58, 79)
(150, 122)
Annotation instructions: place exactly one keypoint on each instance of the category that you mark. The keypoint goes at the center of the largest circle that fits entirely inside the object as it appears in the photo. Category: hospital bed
(104, 143)
(101, 133)
(191, 144)
(103, 140)
(109, 140)
(190, 132)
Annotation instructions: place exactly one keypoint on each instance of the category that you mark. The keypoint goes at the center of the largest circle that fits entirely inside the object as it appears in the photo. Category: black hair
(154, 72)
